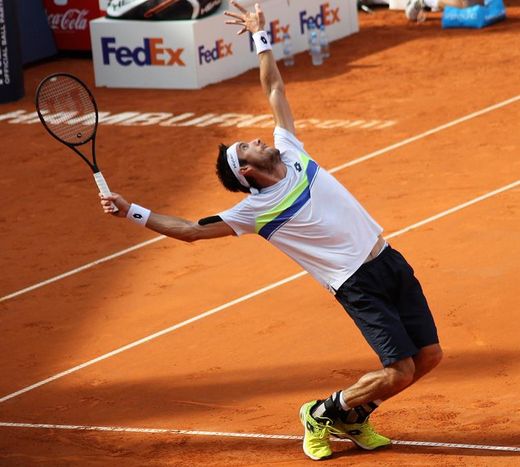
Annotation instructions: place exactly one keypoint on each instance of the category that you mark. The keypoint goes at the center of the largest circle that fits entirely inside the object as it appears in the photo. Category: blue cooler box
(477, 16)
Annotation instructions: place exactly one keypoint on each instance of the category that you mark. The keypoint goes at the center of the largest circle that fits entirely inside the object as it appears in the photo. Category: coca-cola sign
(69, 21)
(74, 19)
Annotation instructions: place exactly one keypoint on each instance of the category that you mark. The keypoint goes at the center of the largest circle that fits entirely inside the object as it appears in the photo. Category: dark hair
(225, 174)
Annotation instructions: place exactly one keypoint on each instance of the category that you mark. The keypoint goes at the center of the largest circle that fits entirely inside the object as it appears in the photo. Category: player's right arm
(270, 77)
(171, 226)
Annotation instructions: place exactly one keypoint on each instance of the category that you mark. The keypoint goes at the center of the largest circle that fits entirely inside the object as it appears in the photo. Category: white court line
(478, 113)
(333, 170)
(225, 434)
(246, 297)
(82, 268)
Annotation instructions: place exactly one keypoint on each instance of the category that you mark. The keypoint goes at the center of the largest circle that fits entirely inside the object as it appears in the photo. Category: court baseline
(224, 434)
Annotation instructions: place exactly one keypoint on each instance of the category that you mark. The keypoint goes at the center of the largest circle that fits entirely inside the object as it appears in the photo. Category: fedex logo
(221, 50)
(275, 31)
(152, 53)
(326, 16)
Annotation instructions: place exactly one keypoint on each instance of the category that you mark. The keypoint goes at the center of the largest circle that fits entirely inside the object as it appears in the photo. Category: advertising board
(194, 53)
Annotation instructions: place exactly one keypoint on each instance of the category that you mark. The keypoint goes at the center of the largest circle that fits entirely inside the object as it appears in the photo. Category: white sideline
(333, 170)
(426, 133)
(224, 434)
(82, 268)
(246, 297)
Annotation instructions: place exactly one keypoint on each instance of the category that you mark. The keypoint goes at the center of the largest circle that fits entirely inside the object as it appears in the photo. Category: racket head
(67, 109)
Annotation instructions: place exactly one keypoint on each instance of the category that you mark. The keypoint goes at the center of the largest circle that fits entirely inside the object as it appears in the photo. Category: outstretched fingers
(238, 6)
(234, 15)
(248, 21)
(238, 21)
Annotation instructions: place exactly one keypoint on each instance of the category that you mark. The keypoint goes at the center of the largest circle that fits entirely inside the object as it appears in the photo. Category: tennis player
(304, 211)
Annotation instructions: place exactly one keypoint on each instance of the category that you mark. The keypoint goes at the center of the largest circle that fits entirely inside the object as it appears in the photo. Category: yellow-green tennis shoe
(361, 434)
(316, 443)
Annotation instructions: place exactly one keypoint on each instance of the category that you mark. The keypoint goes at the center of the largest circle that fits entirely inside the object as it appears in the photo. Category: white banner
(193, 54)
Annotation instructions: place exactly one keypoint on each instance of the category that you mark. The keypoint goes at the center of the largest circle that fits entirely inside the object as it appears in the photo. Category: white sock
(343, 403)
(433, 4)
(347, 407)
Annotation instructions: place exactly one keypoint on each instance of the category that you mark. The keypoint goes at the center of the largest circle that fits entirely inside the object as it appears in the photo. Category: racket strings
(67, 109)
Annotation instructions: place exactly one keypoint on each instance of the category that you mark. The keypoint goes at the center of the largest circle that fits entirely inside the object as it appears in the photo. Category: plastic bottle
(315, 48)
(288, 55)
(310, 27)
(324, 42)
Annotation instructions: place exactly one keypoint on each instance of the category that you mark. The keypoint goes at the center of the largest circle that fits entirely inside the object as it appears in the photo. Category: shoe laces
(323, 429)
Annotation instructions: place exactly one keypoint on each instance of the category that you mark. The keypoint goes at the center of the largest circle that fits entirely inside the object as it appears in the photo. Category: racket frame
(93, 164)
(98, 176)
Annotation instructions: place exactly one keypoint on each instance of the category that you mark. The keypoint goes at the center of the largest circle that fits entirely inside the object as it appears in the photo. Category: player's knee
(429, 357)
(401, 374)
(436, 356)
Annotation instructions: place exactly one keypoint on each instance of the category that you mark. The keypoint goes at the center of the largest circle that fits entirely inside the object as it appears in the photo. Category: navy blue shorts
(387, 303)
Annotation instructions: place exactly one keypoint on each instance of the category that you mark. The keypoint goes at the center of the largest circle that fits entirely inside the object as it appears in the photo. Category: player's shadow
(265, 398)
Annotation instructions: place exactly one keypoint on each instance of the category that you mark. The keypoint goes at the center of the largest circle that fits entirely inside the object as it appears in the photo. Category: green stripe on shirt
(288, 200)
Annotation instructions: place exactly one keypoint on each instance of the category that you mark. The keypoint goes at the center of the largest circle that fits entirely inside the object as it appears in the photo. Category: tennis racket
(68, 111)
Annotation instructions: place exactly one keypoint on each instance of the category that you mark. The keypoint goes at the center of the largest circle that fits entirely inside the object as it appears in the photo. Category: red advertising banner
(69, 21)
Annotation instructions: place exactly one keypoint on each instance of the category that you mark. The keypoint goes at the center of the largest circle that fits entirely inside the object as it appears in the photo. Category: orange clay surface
(250, 367)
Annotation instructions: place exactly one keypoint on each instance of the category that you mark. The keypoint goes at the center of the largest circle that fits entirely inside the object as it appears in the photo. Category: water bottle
(310, 27)
(317, 57)
(288, 56)
(324, 42)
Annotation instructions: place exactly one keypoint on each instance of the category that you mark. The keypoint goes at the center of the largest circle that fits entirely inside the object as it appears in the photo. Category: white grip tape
(103, 187)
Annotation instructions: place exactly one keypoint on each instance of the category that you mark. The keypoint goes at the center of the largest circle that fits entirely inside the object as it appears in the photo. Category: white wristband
(261, 40)
(138, 214)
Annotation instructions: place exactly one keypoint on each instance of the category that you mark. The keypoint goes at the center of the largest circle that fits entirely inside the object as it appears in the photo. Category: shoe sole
(360, 445)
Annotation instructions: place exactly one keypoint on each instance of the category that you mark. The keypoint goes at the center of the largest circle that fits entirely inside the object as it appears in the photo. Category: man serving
(305, 212)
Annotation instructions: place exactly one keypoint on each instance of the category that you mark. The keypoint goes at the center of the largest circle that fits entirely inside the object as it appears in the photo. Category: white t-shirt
(309, 216)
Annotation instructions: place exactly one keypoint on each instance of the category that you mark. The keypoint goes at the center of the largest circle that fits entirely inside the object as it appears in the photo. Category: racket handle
(103, 187)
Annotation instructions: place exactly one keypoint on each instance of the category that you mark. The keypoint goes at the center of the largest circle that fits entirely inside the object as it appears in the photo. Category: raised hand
(248, 20)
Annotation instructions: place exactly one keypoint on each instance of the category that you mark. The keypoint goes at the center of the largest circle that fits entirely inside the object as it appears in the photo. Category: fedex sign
(152, 53)
(220, 50)
(326, 16)
(275, 31)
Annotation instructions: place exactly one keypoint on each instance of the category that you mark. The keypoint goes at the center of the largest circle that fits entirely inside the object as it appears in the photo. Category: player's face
(257, 154)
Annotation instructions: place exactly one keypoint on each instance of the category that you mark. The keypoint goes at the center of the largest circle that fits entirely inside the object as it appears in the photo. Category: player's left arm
(270, 77)
(274, 88)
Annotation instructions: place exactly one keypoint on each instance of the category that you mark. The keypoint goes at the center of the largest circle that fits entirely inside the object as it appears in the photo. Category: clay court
(201, 354)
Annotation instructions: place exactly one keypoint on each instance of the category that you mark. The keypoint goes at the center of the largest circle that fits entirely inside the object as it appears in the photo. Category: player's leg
(388, 305)
(416, 316)
(414, 9)
(365, 395)
(459, 3)
(379, 385)
(346, 413)
(368, 298)
(426, 360)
